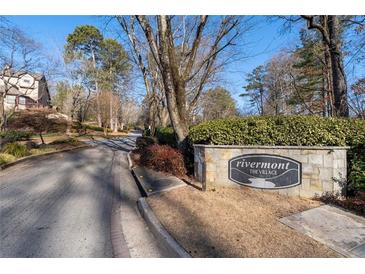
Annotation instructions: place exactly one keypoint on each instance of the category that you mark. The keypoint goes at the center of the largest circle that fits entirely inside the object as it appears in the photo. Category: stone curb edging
(138, 182)
(164, 238)
(40, 155)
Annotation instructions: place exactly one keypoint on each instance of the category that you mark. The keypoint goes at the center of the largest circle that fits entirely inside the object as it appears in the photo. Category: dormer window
(26, 81)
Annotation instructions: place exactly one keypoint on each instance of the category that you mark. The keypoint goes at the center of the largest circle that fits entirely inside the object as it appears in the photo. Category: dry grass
(236, 222)
(6, 158)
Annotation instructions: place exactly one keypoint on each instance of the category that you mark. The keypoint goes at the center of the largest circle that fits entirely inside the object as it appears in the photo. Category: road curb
(161, 234)
(40, 155)
(130, 163)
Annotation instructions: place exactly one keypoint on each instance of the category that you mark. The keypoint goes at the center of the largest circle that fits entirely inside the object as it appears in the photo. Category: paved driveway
(61, 206)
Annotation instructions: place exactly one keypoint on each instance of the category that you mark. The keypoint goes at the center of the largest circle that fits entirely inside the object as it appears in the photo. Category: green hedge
(166, 136)
(291, 131)
(15, 135)
(356, 177)
(145, 141)
(280, 130)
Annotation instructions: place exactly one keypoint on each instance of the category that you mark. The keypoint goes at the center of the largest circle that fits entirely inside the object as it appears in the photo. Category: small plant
(15, 135)
(143, 142)
(6, 158)
(163, 158)
(166, 136)
(16, 149)
(355, 203)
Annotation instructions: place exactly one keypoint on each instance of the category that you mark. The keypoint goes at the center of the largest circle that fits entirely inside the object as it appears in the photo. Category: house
(24, 90)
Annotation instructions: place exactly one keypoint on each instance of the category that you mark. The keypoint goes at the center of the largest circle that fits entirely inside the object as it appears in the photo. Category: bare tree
(18, 55)
(155, 102)
(130, 112)
(357, 100)
(186, 51)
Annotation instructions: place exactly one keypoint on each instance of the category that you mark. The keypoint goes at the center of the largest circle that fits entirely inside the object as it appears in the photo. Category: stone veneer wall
(323, 168)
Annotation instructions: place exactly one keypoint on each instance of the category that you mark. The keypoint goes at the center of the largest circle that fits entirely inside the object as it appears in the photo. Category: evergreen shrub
(290, 131)
(166, 136)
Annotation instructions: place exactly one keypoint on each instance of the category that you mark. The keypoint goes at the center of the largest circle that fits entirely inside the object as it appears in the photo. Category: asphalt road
(61, 206)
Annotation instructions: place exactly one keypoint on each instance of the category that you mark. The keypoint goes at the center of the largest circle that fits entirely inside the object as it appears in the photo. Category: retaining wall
(323, 169)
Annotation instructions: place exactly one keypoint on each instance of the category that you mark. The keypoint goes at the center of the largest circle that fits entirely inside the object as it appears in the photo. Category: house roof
(20, 73)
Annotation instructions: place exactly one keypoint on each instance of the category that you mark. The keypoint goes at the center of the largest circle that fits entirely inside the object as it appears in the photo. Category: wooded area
(180, 61)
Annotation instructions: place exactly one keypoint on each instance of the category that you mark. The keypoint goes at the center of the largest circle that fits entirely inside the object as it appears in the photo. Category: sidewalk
(153, 182)
(332, 226)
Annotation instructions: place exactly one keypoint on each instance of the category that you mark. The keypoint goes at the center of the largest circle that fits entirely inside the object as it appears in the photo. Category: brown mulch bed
(355, 204)
(235, 222)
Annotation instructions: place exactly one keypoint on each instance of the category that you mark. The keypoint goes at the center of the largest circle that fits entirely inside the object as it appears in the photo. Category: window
(22, 100)
(10, 99)
(26, 81)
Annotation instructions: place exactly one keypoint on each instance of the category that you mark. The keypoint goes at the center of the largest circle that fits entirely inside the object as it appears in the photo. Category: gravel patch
(237, 222)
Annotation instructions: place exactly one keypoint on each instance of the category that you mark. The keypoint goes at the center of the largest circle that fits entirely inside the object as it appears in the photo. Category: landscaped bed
(14, 151)
(235, 222)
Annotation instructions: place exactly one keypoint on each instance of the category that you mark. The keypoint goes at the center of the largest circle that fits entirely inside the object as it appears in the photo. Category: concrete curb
(140, 186)
(130, 163)
(161, 234)
(40, 155)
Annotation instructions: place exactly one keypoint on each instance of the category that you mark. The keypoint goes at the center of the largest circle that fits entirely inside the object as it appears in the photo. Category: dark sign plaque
(265, 171)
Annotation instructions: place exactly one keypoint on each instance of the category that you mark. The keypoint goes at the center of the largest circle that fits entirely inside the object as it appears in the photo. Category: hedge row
(15, 135)
(280, 130)
(291, 131)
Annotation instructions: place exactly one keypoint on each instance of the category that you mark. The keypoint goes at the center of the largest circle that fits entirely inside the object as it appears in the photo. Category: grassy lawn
(55, 145)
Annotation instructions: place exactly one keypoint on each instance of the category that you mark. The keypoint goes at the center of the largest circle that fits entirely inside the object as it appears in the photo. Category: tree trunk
(112, 125)
(2, 113)
(152, 113)
(179, 125)
(163, 115)
(40, 135)
(328, 81)
(338, 75)
(69, 126)
(261, 101)
(98, 109)
(173, 95)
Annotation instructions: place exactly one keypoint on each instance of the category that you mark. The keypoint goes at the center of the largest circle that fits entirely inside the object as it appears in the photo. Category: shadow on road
(37, 224)
(125, 144)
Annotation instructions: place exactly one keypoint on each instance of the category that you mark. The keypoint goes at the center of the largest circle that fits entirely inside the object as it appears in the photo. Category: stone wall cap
(275, 147)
